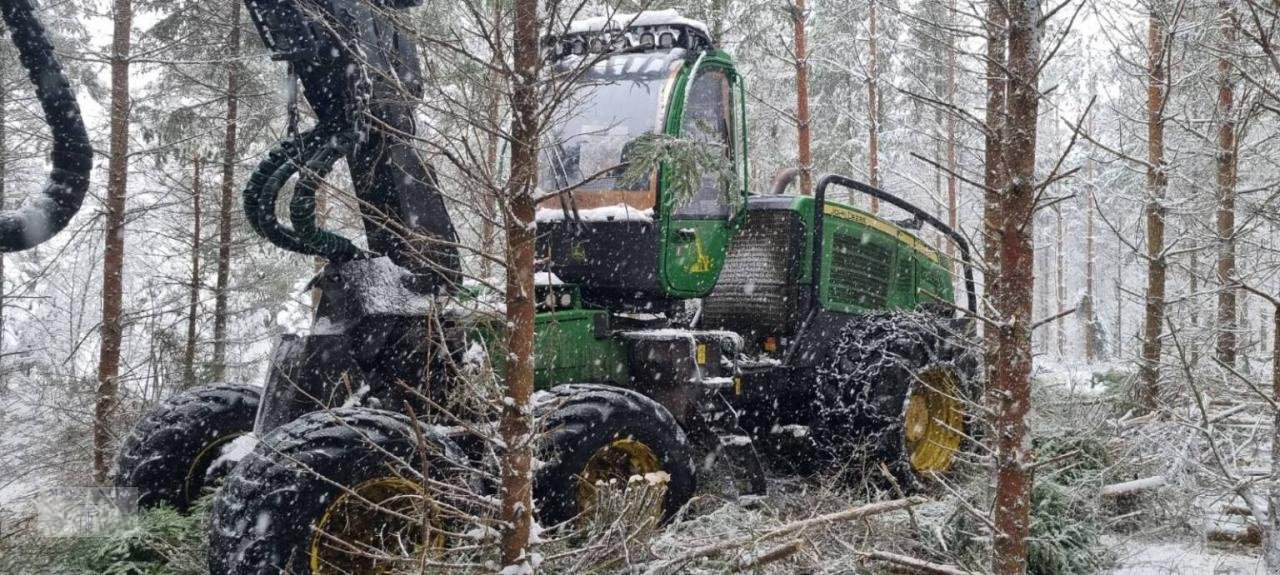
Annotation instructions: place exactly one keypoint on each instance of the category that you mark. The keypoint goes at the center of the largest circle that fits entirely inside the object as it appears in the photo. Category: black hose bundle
(45, 215)
(313, 153)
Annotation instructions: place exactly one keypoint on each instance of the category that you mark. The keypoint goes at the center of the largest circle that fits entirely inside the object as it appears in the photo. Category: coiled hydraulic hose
(263, 189)
(315, 152)
(45, 215)
(302, 209)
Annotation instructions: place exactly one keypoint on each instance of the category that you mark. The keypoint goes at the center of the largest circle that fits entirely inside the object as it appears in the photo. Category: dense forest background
(202, 297)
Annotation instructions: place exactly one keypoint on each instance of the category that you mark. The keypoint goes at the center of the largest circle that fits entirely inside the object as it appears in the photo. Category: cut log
(1249, 535)
(916, 565)
(662, 566)
(1127, 487)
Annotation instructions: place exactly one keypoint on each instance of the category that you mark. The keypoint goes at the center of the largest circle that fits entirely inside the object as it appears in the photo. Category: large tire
(167, 454)
(878, 365)
(581, 420)
(268, 516)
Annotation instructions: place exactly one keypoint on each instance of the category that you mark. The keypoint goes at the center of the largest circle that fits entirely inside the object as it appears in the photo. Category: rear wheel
(169, 454)
(894, 390)
(335, 492)
(602, 443)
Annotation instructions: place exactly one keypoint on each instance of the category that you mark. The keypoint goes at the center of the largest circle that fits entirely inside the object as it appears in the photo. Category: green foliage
(686, 161)
(1066, 532)
(1083, 459)
(160, 542)
(1066, 522)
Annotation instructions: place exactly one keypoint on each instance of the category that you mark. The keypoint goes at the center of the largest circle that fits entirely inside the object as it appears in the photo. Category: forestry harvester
(671, 328)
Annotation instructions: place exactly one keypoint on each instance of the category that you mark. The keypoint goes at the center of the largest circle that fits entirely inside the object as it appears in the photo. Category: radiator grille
(859, 271)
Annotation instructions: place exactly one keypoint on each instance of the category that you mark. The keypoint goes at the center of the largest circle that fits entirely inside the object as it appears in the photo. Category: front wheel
(895, 389)
(169, 455)
(601, 440)
(339, 491)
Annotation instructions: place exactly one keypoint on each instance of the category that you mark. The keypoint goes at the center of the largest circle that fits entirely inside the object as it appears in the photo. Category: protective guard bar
(819, 209)
(47, 214)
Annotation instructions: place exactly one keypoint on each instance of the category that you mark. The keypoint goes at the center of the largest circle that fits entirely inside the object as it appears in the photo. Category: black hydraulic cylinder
(46, 214)
(361, 76)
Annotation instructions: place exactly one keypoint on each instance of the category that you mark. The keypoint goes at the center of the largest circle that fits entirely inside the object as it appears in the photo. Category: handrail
(819, 206)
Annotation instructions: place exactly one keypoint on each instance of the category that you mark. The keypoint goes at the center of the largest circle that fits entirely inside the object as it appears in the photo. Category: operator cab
(634, 242)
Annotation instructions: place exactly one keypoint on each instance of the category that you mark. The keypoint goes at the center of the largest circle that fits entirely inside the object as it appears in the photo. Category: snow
(546, 279)
(1183, 558)
(235, 450)
(615, 213)
(646, 18)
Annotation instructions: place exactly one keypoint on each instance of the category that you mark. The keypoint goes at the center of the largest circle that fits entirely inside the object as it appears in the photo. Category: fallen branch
(1250, 535)
(919, 565)
(787, 529)
(777, 553)
(1127, 487)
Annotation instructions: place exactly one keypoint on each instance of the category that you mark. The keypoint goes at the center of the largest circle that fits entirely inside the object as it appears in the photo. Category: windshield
(615, 102)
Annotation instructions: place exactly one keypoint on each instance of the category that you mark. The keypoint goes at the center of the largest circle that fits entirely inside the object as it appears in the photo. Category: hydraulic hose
(262, 191)
(45, 215)
(302, 209)
(315, 152)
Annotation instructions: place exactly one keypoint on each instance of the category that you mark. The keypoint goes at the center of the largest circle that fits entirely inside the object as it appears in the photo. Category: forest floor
(1081, 423)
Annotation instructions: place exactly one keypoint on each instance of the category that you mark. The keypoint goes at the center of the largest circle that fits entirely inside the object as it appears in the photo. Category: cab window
(707, 116)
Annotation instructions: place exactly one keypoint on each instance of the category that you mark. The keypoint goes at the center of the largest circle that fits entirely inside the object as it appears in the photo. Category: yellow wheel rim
(201, 464)
(611, 469)
(373, 526)
(934, 421)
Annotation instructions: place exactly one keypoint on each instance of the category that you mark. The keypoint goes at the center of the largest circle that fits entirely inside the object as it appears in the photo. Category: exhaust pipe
(43, 216)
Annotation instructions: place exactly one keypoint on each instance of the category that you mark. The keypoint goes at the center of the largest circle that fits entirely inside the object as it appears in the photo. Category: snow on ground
(1183, 558)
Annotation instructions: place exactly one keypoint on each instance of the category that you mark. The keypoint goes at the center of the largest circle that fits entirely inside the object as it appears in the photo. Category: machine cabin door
(700, 225)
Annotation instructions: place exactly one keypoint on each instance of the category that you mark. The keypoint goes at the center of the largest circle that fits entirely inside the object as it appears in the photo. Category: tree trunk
(4, 174)
(1271, 540)
(873, 106)
(229, 155)
(1226, 164)
(493, 150)
(1061, 285)
(1157, 181)
(1091, 335)
(993, 166)
(322, 219)
(1193, 273)
(1012, 370)
(952, 182)
(516, 425)
(193, 301)
(802, 99)
(113, 257)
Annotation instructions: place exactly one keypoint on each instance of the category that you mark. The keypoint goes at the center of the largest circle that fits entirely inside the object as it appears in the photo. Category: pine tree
(226, 201)
(1011, 373)
(1226, 159)
(516, 425)
(113, 261)
(1157, 182)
